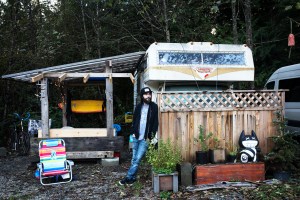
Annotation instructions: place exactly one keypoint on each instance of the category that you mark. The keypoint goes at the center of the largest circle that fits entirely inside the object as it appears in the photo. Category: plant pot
(282, 175)
(165, 182)
(202, 157)
(231, 158)
(217, 156)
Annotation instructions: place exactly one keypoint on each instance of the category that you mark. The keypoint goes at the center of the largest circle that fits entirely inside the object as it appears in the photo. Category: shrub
(164, 158)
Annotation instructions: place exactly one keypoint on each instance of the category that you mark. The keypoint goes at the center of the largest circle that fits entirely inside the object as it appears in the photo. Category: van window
(270, 85)
(294, 86)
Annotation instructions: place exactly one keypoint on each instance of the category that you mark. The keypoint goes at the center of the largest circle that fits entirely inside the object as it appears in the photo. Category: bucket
(37, 174)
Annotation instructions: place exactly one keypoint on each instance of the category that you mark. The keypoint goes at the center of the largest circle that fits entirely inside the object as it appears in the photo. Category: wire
(271, 41)
(294, 20)
(185, 51)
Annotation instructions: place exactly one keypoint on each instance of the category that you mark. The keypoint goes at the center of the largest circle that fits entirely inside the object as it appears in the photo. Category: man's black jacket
(152, 120)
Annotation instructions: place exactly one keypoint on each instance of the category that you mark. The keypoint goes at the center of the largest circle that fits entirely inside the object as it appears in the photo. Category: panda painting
(248, 144)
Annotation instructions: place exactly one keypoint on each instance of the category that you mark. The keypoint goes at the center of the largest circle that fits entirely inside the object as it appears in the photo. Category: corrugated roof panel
(120, 63)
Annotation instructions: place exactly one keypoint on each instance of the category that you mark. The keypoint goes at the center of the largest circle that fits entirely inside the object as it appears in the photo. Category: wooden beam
(86, 78)
(82, 75)
(62, 77)
(75, 132)
(37, 78)
(132, 78)
(89, 154)
(109, 101)
(64, 110)
(45, 108)
(95, 143)
(79, 144)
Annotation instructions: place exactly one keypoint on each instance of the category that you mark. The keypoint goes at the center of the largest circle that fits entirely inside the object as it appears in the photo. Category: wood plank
(109, 100)
(75, 132)
(37, 78)
(190, 137)
(82, 75)
(89, 154)
(86, 78)
(94, 143)
(45, 107)
(62, 77)
(206, 174)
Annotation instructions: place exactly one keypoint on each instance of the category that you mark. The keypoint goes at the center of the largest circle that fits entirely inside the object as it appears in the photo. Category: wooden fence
(225, 114)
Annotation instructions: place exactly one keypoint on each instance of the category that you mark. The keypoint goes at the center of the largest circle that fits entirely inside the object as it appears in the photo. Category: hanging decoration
(291, 40)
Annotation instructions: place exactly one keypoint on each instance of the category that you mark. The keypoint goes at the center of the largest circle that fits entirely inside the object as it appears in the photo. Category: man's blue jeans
(139, 148)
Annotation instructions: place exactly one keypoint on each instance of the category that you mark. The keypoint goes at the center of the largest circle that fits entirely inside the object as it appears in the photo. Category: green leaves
(164, 158)
(203, 138)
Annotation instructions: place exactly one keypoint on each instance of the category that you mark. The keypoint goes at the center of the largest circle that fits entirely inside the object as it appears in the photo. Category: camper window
(224, 58)
(270, 85)
(293, 95)
(178, 58)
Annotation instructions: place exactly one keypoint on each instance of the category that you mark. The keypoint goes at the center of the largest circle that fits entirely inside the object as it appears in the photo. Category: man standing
(144, 127)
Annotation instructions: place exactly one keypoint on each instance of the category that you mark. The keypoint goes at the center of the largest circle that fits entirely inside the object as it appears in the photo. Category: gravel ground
(92, 181)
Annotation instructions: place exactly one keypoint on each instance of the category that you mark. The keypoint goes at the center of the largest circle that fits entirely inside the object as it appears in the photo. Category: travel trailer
(194, 66)
(288, 77)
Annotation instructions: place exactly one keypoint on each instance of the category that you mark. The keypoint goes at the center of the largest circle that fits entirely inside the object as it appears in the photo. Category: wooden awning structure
(80, 72)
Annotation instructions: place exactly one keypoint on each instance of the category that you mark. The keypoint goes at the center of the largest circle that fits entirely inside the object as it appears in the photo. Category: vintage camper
(194, 66)
(288, 77)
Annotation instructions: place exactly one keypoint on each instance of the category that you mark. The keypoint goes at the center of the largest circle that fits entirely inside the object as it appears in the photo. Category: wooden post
(45, 108)
(64, 111)
(109, 100)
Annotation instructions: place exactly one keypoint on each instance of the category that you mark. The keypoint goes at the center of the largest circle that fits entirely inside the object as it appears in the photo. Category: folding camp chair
(54, 168)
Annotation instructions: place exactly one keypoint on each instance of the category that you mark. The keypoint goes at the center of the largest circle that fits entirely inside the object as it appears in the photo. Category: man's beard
(147, 100)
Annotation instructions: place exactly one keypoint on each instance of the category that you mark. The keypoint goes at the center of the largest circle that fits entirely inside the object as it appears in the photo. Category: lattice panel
(248, 100)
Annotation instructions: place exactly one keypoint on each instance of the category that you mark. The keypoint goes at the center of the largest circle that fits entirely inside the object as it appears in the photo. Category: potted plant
(231, 151)
(216, 151)
(284, 156)
(164, 161)
(202, 156)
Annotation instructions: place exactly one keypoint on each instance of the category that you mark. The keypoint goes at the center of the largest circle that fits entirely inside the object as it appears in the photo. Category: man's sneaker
(123, 181)
(126, 181)
(130, 181)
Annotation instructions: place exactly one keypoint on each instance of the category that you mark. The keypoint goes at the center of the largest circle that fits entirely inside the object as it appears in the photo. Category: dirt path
(92, 181)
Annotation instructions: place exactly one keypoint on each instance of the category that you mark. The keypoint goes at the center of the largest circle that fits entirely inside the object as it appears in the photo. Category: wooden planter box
(165, 182)
(206, 174)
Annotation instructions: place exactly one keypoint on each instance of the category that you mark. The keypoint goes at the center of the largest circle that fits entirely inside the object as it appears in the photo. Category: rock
(3, 152)
(107, 162)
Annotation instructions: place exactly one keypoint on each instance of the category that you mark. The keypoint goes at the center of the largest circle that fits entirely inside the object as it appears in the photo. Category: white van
(288, 78)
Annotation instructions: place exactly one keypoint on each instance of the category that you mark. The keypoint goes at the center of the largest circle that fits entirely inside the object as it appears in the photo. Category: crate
(212, 173)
